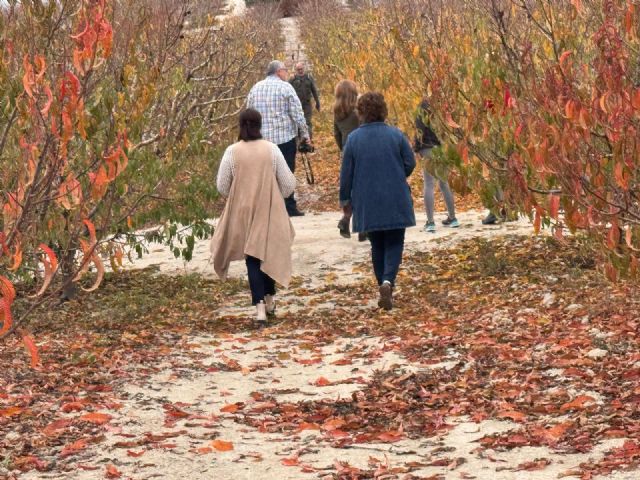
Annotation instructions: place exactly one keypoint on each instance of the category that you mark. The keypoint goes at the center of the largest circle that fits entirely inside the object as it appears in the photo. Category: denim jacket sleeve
(408, 157)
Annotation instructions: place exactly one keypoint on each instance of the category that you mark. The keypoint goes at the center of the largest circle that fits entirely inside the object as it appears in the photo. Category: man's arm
(250, 103)
(296, 113)
(314, 92)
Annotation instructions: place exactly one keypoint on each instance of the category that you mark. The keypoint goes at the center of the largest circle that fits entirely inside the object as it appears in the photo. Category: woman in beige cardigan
(254, 225)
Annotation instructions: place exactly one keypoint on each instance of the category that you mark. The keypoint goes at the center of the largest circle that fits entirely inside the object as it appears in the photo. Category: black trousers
(260, 283)
(386, 253)
(289, 150)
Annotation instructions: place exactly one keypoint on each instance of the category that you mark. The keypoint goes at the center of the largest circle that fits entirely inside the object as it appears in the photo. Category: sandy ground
(193, 381)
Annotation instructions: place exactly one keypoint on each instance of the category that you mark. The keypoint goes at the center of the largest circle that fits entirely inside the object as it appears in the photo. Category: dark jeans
(260, 283)
(288, 150)
(386, 253)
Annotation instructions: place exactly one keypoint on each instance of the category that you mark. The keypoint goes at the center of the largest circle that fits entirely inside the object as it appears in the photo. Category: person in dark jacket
(345, 120)
(377, 159)
(305, 87)
(424, 143)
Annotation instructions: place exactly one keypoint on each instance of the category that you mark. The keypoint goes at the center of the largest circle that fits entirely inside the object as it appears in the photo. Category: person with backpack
(345, 121)
(425, 142)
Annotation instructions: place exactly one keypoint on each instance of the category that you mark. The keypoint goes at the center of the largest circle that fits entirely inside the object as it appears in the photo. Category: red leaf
(56, 425)
(133, 453)
(72, 407)
(112, 472)
(321, 382)
(391, 436)
(554, 206)
(30, 345)
(50, 262)
(577, 403)
(73, 448)
(96, 418)
(8, 296)
(290, 462)
(513, 415)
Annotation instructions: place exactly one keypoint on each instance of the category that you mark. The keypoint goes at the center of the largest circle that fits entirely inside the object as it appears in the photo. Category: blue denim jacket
(377, 159)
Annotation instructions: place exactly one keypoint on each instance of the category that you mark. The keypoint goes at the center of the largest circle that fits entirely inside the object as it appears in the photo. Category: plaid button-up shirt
(282, 115)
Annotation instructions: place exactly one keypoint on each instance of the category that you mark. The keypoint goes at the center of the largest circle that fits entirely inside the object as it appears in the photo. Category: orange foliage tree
(539, 100)
(111, 114)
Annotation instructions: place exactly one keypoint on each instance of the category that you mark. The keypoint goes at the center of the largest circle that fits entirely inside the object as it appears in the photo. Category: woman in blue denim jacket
(377, 159)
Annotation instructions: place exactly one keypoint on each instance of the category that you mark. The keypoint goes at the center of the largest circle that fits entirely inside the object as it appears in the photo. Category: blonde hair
(346, 98)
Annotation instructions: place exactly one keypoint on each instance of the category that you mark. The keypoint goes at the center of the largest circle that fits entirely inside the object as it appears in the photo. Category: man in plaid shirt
(282, 117)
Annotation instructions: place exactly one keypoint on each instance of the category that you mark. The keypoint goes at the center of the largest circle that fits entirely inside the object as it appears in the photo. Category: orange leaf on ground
(513, 415)
(56, 425)
(96, 417)
(321, 382)
(308, 426)
(11, 411)
(577, 403)
(290, 462)
(391, 436)
(231, 408)
(222, 446)
(135, 454)
(72, 407)
(72, 448)
(112, 472)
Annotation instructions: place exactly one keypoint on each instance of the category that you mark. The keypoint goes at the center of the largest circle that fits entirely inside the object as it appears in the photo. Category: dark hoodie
(425, 137)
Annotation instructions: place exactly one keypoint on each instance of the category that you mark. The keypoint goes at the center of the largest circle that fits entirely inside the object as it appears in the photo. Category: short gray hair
(274, 66)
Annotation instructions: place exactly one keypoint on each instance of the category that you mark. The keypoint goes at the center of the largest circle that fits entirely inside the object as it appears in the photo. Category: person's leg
(377, 253)
(308, 113)
(393, 247)
(256, 280)
(269, 293)
(288, 150)
(429, 200)
(447, 194)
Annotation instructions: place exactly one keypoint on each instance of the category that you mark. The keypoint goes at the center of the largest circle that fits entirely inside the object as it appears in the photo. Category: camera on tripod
(305, 147)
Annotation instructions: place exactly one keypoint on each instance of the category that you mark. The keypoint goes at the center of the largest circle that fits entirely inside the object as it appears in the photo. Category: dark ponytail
(250, 123)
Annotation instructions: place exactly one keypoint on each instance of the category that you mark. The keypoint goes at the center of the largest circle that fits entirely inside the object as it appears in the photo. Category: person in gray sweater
(345, 121)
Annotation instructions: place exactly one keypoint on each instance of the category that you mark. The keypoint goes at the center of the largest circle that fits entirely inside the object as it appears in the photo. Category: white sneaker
(261, 312)
(270, 303)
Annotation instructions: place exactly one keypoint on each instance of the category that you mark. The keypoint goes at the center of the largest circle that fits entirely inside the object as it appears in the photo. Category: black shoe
(490, 219)
(362, 237)
(296, 213)
(451, 222)
(386, 296)
(343, 226)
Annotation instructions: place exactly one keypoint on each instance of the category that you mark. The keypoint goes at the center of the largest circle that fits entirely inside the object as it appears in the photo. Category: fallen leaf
(321, 382)
(112, 472)
(96, 418)
(222, 446)
(290, 462)
(577, 403)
